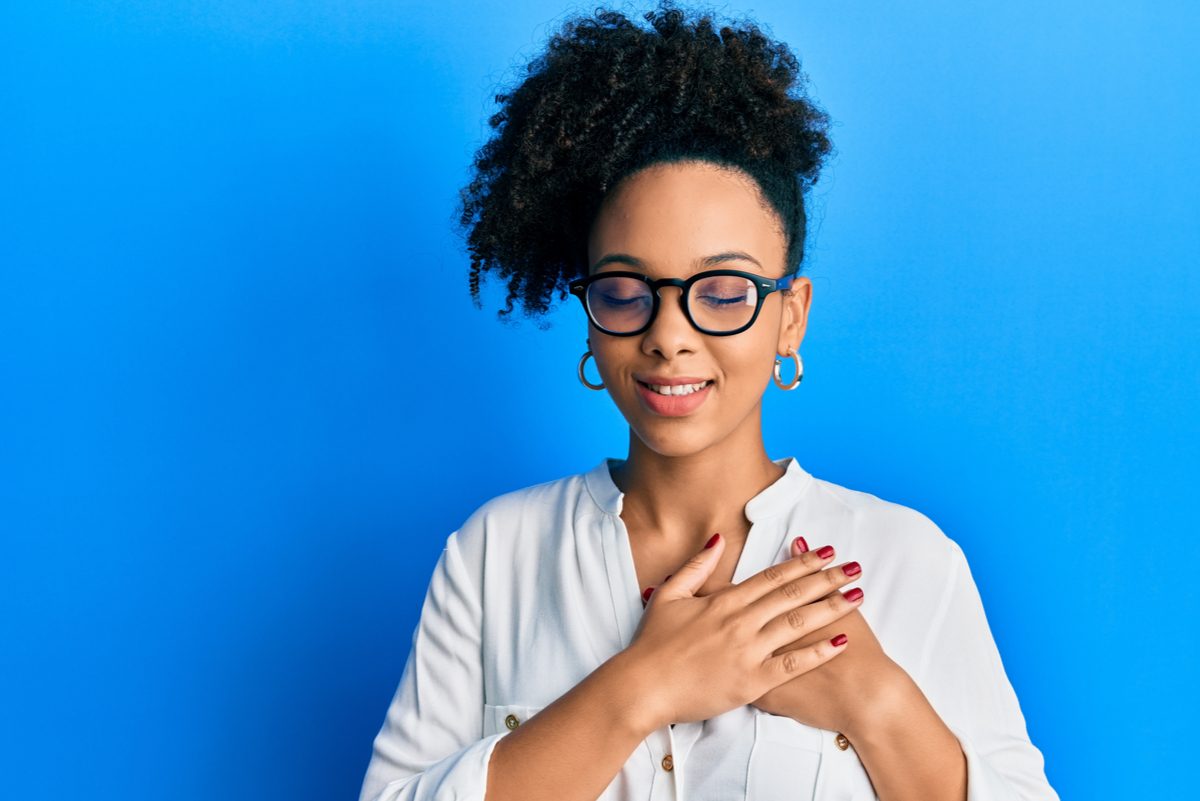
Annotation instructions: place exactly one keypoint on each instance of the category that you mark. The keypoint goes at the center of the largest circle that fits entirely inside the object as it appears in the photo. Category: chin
(674, 443)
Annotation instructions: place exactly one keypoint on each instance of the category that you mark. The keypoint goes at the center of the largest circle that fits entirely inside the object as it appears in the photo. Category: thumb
(691, 577)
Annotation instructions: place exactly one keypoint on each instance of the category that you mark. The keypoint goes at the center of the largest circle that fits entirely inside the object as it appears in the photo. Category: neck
(685, 499)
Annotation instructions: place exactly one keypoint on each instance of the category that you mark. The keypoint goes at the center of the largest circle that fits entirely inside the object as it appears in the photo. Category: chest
(654, 560)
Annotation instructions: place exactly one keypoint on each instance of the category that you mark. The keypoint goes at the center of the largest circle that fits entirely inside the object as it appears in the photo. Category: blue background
(231, 449)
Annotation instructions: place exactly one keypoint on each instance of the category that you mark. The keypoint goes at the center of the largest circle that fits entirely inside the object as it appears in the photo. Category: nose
(669, 332)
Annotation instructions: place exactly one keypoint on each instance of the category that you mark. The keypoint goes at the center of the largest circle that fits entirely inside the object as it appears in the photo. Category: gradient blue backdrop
(232, 446)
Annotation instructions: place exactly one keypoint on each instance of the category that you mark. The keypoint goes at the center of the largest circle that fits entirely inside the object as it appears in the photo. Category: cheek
(746, 359)
(613, 357)
(609, 351)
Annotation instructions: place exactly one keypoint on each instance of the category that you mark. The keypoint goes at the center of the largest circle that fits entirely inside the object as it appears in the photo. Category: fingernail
(839, 641)
(801, 544)
(853, 595)
(852, 568)
(646, 594)
(825, 552)
(712, 540)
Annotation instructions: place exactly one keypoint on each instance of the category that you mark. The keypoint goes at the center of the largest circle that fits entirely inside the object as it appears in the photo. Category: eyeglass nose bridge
(659, 283)
(656, 285)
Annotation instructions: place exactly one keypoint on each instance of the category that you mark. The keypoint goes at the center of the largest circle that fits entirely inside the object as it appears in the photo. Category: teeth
(678, 389)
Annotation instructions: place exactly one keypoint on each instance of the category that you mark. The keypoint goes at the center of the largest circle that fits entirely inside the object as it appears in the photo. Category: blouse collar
(777, 498)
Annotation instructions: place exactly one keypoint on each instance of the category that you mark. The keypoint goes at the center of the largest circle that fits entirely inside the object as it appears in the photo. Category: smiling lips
(676, 389)
(686, 395)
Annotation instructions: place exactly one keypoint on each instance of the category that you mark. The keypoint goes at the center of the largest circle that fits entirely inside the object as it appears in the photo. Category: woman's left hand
(841, 694)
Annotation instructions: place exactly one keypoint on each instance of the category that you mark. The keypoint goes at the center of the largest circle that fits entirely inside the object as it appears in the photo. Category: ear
(794, 323)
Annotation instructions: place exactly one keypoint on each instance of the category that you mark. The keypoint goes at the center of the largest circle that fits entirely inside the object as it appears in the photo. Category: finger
(799, 621)
(790, 664)
(789, 597)
(695, 571)
(776, 576)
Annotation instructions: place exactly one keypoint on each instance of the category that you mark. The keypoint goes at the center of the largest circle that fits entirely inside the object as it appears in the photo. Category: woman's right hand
(715, 652)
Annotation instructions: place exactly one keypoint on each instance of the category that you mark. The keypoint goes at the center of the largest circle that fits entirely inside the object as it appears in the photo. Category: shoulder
(545, 498)
(887, 530)
(515, 518)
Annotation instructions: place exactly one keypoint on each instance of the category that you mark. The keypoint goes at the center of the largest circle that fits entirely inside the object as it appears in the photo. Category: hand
(727, 648)
(841, 695)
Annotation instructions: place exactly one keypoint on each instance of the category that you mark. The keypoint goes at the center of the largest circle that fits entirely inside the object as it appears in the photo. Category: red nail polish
(803, 545)
(853, 595)
(712, 540)
(825, 552)
(646, 594)
(839, 640)
(852, 568)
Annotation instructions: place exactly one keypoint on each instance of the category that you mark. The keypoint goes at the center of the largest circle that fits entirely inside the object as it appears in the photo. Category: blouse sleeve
(964, 680)
(432, 745)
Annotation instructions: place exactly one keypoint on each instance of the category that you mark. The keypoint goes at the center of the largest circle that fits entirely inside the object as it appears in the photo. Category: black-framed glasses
(719, 303)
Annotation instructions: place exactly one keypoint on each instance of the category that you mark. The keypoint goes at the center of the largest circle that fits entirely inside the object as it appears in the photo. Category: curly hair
(608, 98)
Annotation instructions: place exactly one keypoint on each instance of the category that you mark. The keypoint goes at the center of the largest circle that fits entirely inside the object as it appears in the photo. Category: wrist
(887, 702)
(635, 692)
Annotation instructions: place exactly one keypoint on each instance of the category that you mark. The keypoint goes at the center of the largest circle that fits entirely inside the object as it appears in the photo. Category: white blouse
(538, 588)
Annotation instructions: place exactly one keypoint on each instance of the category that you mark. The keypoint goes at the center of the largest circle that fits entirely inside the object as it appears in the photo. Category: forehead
(669, 216)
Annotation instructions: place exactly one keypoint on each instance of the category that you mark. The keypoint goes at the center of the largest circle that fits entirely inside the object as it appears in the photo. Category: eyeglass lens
(718, 303)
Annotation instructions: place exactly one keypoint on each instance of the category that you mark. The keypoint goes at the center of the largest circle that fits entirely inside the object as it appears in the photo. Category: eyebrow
(707, 261)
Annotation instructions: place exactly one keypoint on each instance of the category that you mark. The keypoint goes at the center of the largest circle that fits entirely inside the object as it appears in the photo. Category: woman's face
(670, 217)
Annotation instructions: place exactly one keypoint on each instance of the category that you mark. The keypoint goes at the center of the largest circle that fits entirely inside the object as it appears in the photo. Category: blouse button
(512, 722)
(668, 762)
(841, 741)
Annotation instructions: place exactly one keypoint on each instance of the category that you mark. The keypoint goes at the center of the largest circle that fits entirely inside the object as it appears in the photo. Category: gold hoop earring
(582, 377)
(799, 370)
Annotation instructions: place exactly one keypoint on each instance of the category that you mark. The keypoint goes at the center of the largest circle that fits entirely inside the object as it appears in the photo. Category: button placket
(664, 761)
(841, 770)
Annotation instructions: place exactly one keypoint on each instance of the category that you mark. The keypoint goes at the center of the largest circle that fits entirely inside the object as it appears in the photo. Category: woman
(660, 176)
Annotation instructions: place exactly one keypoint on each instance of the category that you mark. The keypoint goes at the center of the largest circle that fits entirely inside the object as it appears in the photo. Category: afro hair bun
(608, 98)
